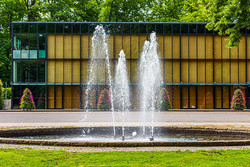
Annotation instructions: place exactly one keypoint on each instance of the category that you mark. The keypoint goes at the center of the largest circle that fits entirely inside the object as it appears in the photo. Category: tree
(27, 101)
(238, 100)
(10, 10)
(163, 102)
(124, 11)
(228, 17)
(104, 101)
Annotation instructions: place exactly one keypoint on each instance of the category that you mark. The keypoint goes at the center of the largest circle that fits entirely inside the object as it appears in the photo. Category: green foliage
(27, 101)
(1, 98)
(104, 102)
(163, 102)
(8, 93)
(221, 13)
(238, 100)
(30, 158)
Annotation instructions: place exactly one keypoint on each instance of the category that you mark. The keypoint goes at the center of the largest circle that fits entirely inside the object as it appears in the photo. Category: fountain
(121, 89)
(99, 53)
(150, 80)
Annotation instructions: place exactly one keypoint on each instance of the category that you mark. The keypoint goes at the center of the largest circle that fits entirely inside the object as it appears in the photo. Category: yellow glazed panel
(201, 47)
(51, 97)
(76, 46)
(51, 46)
(226, 71)
(85, 46)
(217, 47)
(134, 46)
(192, 47)
(192, 71)
(217, 71)
(67, 46)
(59, 71)
(84, 71)
(67, 71)
(168, 46)
(242, 48)
(118, 45)
(192, 96)
(76, 71)
(184, 47)
(209, 47)
(59, 46)
(225, 49)
(126, 45)
(51, 71)
(242, 72)
(234, 71)
(176, 46)
(58, 96)
(185, 97)
(168, 71)
(176, 71)
(209, 71)
(201, 71)
(184, 71)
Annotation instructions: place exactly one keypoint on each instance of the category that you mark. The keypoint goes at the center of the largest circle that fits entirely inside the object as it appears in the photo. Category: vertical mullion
(180, 68)
(72, 59)
(246, 88)
(12, 42)
(81, 95)
(55, 68)
(213, 76)
(221, 69)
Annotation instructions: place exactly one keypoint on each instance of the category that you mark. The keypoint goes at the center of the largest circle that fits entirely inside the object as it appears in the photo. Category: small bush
(238, 100)
(27, 101)
(1, 98)
(8, 93)
(104, 102)
(41, 101)
(163, 102)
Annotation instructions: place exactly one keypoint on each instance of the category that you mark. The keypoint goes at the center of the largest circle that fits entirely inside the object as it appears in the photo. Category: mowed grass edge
(19, 157)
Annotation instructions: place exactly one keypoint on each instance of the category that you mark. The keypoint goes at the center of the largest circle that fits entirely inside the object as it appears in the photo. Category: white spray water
(150, 80)
(121, 91)
(99, 67)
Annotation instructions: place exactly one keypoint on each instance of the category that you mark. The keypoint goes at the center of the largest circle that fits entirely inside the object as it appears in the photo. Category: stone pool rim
(10, 133)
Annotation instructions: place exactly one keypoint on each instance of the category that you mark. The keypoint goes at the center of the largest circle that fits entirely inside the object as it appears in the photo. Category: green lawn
(12, 157)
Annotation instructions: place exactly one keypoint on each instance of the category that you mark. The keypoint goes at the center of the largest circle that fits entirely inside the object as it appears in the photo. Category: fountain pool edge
(11, 133)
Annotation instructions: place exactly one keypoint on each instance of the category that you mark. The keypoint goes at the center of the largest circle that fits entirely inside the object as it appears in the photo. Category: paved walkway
(105, 149)
(56, 119)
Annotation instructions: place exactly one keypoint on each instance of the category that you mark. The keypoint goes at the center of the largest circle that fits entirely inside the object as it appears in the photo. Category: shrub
(27, 101)
(1, 98)
(163, 102)
(41, 101)
(104, 102)
(8, 93)
(238, 100)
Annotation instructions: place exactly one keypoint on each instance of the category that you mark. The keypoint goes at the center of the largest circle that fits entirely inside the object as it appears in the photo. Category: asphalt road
(75, 117)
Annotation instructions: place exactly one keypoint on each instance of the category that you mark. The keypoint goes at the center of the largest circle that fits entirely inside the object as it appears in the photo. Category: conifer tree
(238, 100)
(163, 102)
(104, 102)
(27, 101)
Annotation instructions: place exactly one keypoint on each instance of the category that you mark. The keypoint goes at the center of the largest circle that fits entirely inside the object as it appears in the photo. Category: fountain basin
(102, 136)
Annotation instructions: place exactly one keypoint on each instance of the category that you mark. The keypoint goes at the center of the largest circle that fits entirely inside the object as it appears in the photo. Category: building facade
(199, 71)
